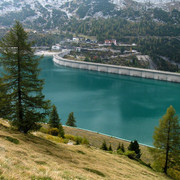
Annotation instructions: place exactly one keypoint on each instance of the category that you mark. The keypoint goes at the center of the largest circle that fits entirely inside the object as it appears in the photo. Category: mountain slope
(35, 157)
(50, 14)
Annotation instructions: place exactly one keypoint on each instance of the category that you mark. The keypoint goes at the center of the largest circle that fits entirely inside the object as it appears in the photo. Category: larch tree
(71, 120)
(167, 140)
(22, 88)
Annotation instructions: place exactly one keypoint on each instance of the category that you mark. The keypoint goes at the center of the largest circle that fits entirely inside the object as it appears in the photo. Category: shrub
(13, 140)
(61, 131)
(95, 172)
(40, 178)
(66, 141)
(122, 148)
(104, 146)
(119, 147)
(134, 146)
(145, 164)
(110, 148)
(119, 151)
(55, 138)
(70, 137)
(78, 140)
(44, 130)
(85, 141)
(54, 131)
(81, 152)
(174, 173)
(130, 154)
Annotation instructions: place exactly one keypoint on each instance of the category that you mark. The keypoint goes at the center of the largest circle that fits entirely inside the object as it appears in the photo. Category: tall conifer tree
(167, 140)
(71, 120)
(22, 88)
(54, 118)
(54, 121)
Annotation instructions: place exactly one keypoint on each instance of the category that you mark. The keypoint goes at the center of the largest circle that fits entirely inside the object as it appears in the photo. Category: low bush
(2, 178)
(44, 130)
(66, 141)
(77, 139)
(174, 173)
(55, 138)
(130, 154)
(110, 148)
(70, 137)
(95, 172)
(145, 164)
(85, 141)
(81, 152)
(53, 131)
(40, 178)
(13, 140)
(119, 151)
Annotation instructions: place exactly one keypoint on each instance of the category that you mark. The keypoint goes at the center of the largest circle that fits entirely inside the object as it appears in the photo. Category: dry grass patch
(39, 157)
(96, 140)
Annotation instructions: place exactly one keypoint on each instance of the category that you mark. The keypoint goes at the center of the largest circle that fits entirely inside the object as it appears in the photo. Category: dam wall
(122, 70)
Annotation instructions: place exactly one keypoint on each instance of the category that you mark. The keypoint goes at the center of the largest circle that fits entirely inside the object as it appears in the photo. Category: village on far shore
(90, 50)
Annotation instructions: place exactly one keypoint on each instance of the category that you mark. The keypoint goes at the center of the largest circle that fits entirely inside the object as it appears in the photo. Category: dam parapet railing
(122, 70)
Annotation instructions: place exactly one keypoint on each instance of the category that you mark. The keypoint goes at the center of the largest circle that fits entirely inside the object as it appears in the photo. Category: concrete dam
(122, 70)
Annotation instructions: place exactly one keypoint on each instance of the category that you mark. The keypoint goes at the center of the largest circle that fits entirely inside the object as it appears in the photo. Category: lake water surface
(122, 106)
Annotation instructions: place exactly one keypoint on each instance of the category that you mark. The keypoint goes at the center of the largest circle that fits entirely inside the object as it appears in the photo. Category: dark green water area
(122, 106)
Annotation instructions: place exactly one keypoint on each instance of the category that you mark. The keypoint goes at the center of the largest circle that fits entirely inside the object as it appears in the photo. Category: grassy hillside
(34, 156)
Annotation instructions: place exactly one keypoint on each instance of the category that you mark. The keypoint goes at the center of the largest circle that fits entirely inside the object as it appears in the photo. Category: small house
(109, 42)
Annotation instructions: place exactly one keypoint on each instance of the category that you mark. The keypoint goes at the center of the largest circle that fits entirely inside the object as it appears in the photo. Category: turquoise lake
(122, 106)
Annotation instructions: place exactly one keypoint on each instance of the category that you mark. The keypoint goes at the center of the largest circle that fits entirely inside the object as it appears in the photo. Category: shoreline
(107, 135)
(121, 70)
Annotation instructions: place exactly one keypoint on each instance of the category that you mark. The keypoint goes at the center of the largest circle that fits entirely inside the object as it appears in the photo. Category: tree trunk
(20, 113)
(167, 149)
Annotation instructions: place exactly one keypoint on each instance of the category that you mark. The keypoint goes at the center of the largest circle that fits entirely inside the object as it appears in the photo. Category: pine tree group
(134, 146)
(121, 147)
(21, 91)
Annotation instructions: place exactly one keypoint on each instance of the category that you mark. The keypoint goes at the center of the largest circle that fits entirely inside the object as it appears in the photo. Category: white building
(56, 47)
(75, 39)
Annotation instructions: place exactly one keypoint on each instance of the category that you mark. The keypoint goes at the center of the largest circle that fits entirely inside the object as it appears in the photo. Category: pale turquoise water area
(122, 106)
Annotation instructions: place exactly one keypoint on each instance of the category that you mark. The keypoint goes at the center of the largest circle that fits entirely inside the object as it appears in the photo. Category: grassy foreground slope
(33, 156)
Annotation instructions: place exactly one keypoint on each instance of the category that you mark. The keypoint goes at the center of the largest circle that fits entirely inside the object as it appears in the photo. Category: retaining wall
(123, 70)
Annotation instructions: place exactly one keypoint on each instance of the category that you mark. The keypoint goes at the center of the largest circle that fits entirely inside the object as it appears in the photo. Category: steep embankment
(34, 157)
